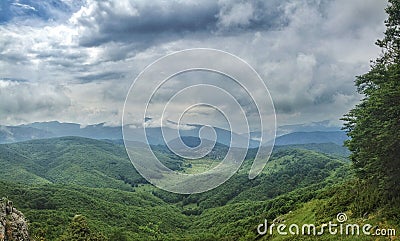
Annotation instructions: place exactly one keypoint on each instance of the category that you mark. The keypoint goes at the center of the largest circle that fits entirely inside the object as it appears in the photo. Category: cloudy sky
(74, 61)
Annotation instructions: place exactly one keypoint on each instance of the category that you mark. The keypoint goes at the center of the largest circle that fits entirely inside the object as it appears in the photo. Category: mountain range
(294, 134)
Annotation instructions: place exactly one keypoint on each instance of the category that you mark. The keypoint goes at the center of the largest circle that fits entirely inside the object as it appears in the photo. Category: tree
(391, 41)
(79, 230)
(374, 125)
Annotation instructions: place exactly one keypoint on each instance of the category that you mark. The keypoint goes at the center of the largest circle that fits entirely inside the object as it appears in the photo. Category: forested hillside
(53, 180)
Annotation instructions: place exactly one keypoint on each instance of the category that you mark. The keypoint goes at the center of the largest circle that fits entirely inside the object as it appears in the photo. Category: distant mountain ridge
(44, 130)
(337, 137)
(324, 126)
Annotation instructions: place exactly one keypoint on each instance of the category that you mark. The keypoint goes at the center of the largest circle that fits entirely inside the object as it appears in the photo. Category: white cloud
(25, 6)
(236, 15)
(307, 52)
(22, 101)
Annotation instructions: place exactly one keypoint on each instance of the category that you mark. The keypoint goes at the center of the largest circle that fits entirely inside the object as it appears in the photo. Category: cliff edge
(13, 225)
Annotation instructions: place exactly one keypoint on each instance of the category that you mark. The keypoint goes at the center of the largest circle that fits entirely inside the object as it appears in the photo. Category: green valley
(52, 180)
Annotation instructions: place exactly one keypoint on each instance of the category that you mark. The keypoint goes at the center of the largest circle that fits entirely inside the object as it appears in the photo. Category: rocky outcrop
(13, 225)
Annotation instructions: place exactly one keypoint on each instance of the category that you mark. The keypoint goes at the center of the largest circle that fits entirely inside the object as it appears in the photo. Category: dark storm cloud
(151, 22)
(105, 21)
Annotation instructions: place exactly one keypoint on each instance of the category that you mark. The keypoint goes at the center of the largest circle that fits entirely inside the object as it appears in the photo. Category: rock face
(13, 225)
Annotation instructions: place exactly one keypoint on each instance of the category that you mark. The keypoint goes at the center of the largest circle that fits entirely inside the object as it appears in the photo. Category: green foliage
(374, 124)
(141, 212)
(70, 160)
(104, 209)
(391, 41)
(326, 148)
(79, 230)
(118, 234)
